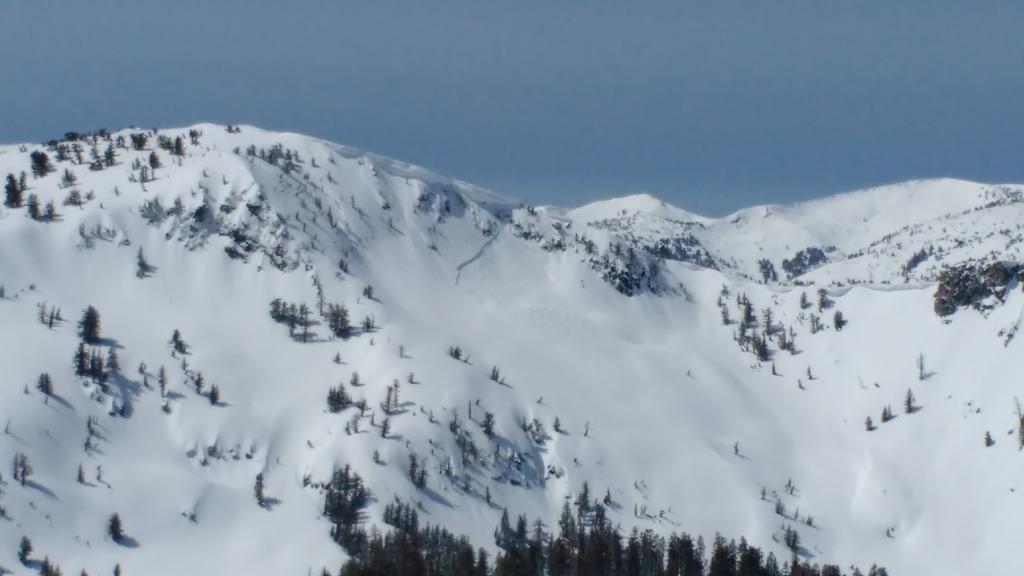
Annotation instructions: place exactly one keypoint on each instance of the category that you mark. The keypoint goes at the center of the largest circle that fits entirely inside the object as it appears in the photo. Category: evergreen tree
(161, 378)
(22, 468)
(115, 529)
(804, 302)
(338, 399)
(68, 179)
(45, 384)
(488, 424)
(838, 320)
(142, 266)
(723, 558)
(258, 489)
(40, 163)
(178, 343)
(113, 360)
(81, 360)
(24, 550)
(34, 211)
(345, 498)
(338, 320)
(89, 326)
(304, 314)
(139, 140)
(12, 192)
(48, 568)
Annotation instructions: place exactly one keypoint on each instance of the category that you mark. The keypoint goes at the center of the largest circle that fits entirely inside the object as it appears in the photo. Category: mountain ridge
(681, 381)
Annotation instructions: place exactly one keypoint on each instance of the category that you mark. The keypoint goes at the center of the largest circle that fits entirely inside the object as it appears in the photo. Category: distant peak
(639, 203)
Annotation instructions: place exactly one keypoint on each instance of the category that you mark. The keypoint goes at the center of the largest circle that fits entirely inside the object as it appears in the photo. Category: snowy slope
(651, 389)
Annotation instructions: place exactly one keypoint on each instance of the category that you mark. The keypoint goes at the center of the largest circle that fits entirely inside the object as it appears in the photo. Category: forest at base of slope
(587, 545)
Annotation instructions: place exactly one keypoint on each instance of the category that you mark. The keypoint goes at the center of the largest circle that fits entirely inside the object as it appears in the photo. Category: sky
(711, 105)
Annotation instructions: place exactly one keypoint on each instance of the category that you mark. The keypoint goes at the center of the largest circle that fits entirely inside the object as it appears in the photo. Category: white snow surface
(655, 377)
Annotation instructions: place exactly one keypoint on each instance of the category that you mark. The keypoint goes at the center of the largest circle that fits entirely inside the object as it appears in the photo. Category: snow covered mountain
(697, 374)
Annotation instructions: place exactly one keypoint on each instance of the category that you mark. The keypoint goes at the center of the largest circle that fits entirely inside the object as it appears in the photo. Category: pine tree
(143, 268)
(68, 179)
(22, 468)
(34, 211)
(12, 192)
(338, 320)
(24, 550)
(49, 568)
(115, 529)
(40, 163)
(178, 343)
(804, 302)
(908, 402)
(258, 489)
(488, 424)
(214, 395)
(89, 326)
(838, 320)
(45, 384)
(139, 140)
(198, 383)
(304, 314)
(414, 467)
(338, 399)
(113, 360)
(162, 380)
(81, 360)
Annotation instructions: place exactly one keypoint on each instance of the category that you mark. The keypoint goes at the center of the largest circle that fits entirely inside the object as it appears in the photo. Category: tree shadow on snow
(128, 390)
(436, 497)
(128, 542)
(61, 401)
(803, 552)
(109, 342)
(43, 489)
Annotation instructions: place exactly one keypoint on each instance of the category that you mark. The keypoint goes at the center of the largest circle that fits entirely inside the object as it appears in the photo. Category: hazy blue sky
(712, 105)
